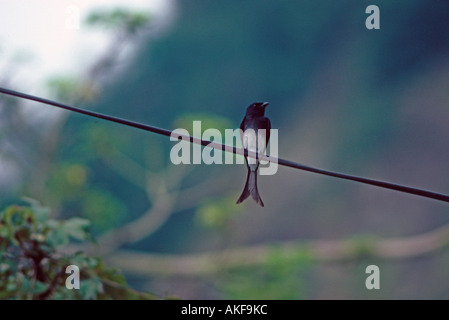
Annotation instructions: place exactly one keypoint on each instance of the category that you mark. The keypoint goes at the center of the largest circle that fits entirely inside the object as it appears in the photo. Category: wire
(287, 163)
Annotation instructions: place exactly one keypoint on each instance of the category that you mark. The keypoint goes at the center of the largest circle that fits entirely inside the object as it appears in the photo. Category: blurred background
(373, 103)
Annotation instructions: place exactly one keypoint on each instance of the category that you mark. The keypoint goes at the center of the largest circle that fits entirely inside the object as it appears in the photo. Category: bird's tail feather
(251, 188)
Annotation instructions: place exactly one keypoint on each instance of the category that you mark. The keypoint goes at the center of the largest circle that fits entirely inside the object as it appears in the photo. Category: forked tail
(251, 188)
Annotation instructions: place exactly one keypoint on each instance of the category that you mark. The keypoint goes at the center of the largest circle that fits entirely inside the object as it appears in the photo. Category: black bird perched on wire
(283, 162)
(255, 140)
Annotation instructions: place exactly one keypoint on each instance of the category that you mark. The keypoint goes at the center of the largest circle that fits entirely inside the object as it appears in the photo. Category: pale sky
(37, 35)
(37, 43)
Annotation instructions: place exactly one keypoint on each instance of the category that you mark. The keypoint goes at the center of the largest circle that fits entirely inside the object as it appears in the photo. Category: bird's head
(256, 109)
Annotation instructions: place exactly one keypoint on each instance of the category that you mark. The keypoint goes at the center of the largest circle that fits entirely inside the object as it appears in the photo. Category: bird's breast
(254, 141)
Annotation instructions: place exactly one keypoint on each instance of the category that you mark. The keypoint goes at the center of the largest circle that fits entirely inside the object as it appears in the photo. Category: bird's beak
(265, 104)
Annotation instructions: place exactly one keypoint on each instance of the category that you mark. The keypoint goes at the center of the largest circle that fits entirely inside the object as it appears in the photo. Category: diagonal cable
(219, 146)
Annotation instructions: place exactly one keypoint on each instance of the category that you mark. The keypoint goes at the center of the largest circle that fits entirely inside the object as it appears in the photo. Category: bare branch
(161, 209)
(321, 251)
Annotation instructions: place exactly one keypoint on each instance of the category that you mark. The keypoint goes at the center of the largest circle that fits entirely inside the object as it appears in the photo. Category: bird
(255, 141)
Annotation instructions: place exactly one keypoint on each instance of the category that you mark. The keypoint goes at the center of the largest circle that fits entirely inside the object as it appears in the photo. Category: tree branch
(161, 209)
(320, 251)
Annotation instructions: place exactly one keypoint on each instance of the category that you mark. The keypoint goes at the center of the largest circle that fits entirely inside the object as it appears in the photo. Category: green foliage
(208, 120)
(103, 209)
(279, 277)
(118, 18)
(216, 59)
(69, 181)
(361, 246)
(70, 89)
(217, 213)
(73, 178)
(33, 262)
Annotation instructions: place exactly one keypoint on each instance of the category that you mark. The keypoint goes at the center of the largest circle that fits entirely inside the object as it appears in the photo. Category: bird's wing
(268, 127)
(242, 133)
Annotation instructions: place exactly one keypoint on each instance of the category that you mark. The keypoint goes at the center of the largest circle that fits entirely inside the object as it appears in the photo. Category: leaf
(77, 228)
(58, 237)
(89, 288)
(26, 235)
(119, 18)
(40, 213)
